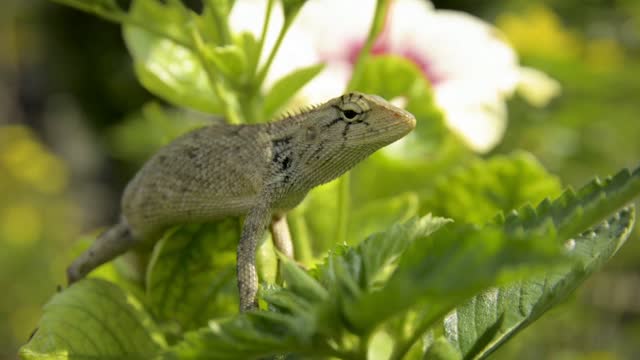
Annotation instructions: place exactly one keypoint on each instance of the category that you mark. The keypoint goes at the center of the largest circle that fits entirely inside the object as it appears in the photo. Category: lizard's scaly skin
(259, 171)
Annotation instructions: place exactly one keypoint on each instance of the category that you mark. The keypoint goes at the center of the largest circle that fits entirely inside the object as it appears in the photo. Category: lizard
(259, 171)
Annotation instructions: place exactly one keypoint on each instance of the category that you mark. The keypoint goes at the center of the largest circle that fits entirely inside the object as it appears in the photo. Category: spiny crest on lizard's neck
(330, 138)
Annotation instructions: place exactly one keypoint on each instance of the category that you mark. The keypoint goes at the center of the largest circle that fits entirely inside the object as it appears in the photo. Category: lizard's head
(358, 120)
(345, 130)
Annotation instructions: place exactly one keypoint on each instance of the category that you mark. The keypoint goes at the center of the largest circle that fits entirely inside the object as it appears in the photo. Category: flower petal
(454, 45)
(478, 117)
(336, 26)
(331, 82)
(536, 87)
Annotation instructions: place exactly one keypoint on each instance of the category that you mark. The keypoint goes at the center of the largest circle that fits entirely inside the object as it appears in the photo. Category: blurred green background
(66, 84)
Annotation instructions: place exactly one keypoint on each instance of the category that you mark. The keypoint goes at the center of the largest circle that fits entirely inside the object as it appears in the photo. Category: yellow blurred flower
(604, 54)
(26, 160)
(539, 31)
(20, 224)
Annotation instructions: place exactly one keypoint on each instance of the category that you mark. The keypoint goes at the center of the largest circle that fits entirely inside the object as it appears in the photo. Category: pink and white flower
(470, 66)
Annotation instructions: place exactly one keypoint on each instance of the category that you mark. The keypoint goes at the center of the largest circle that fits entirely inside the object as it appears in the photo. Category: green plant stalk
(382, 7)
(249, 101)
(262, 74)
(258, 80)
(344, 207)
(344, 182)
(232, 114)
(263, 37)
(301, 242)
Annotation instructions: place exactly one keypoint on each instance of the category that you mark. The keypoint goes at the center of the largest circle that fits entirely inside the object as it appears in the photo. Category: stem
(263, 36)
(344, 183)
(344, 207)
(382, 7)
(301, 240)
(363, 346)
(263, 72)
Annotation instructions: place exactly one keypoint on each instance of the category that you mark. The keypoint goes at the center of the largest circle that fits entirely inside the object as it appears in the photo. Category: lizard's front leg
(253, 229)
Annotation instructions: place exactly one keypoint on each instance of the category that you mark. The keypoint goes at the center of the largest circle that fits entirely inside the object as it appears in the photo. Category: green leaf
(576, 211)
(486, 321)
(381, 214)
(285, 88)
(250, 47)
(291, 8)
(459, 260)
(230, 61)
(477, 191)
(246, 336)
(97, 320)
(164, 19)
(451, 265)
(318, 209)
(441, 349)
(288, 328)
(164, 60)
(405, 269)
(304, 318)
(216, 15)
(381, 250)
(191, 277)
(301, 283)
(160, 38)
(98, 7)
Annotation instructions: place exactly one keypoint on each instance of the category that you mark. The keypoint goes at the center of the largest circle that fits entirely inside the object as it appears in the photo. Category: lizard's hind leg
(113, 242)
(281, 235)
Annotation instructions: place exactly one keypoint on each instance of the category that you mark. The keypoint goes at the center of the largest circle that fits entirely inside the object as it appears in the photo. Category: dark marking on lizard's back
(286, 163)
(277, 143)
(283, 161)
(282, 156)
(192, 152)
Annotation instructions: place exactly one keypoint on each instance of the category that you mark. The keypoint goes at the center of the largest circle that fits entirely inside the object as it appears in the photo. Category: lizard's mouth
(386, 130)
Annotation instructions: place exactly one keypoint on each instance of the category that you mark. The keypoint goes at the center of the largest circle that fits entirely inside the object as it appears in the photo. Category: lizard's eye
(352, 112)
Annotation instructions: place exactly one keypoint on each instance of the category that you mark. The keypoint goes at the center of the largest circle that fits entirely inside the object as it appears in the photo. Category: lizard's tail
(115, 241)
